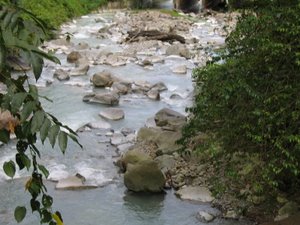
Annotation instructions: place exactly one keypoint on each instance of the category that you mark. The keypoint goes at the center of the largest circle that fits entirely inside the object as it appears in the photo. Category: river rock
(73, 183)
(109, 98)
(160, 86)
(199, 194)
(133, 156)
(153, 94)
(100, 124)
(121, 87)
(163, 139)
(115, 60)
(17, 63)
(103, 79)
(112, 113)
(165, 162)
(178, 49)
(289, 208)
(182, 69)
(61, 74)
(144, 176)
(80, 71)
(169, 119)
(118, 139)
(73, 56)
(205, 216)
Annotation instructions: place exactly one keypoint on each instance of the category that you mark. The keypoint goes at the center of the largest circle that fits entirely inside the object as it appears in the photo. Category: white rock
(182, 69)
(201, 194)
(205, 217)
(112, 114)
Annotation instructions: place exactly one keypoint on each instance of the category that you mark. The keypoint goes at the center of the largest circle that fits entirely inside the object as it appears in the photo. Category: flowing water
(110, 203)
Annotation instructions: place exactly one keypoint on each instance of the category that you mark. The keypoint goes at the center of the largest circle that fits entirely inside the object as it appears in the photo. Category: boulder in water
(178, 49)
(182, 69)
(73, 183)
(144, 176)
(103, 79)
(80, 71)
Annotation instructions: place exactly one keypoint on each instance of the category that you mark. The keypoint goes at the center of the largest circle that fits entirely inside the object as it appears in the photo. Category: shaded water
(109, 204)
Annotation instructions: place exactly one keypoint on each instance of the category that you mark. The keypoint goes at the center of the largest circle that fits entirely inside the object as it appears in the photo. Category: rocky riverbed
(125, 82)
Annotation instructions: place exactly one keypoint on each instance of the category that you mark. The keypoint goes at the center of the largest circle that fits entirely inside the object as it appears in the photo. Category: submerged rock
(73, 183)
(153, 94)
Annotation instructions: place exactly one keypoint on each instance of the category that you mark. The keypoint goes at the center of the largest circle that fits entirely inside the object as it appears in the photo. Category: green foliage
(55, 12)
(249, 102)
(20, 38)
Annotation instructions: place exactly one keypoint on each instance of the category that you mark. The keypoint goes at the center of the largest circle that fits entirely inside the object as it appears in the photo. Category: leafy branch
(21, 112)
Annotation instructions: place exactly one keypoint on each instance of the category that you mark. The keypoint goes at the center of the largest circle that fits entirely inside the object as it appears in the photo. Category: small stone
(73, 56)
(205, 217)
(80, 71)
(153, 94)
(231, 214)
(61, 74)
(180, 69)
(112, 114)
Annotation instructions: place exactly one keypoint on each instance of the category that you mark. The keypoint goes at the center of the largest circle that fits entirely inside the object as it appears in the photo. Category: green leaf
(9, 168)
(44, 129)
(27, 110)
(20, 213)
(52, 134)
(26, 161)
(37, 65)
(46, 216)
(63, 141)
(44, 170)
(4, 136)
(19, 161)
(37, 121)
(47, 201)
(35, 205)
(33, 91)
(17, 101)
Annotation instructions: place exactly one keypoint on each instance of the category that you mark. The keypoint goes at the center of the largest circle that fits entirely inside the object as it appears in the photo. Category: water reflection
(145, 208)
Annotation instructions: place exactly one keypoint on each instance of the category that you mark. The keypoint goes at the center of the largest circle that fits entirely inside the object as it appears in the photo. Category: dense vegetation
(247, 99)
(55, 12)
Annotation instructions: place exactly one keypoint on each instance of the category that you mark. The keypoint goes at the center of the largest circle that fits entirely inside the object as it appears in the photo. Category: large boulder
(133, 156)
(144, 176)
(103, 79)
(169, 119)
(163, 139)
(109, 98)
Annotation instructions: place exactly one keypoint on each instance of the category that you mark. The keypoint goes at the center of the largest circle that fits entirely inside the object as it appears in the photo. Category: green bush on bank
(249, 102)
(55, 12)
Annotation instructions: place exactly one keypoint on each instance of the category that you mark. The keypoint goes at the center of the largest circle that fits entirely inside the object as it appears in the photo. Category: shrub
(250, 102)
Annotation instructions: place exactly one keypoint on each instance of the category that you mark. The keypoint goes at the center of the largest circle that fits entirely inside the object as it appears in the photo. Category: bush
(249, 101)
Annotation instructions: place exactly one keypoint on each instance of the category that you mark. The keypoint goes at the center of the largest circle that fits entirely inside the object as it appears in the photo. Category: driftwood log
(134, 36)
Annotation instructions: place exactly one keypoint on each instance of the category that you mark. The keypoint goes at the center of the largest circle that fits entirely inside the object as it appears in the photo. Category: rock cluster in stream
(149, 158)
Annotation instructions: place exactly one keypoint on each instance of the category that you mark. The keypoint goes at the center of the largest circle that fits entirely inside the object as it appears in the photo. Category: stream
(110, 203)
